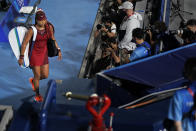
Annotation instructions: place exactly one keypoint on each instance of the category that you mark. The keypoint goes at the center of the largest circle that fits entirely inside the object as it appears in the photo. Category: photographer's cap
(126, 5)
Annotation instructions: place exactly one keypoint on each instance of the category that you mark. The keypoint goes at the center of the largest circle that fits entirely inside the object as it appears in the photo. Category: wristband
(21, 57)
(59, 49)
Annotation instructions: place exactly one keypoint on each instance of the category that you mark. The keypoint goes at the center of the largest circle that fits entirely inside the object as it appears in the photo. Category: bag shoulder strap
(190, 92)
(48, 29)
(34, 32)
(189, 114)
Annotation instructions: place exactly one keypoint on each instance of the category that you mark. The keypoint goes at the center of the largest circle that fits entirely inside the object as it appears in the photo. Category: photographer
(113, 48)
(104, 62)
(157, 34)
(110, 56)
(108, 28)
(115, 14)
(191, 25)
(189, 33)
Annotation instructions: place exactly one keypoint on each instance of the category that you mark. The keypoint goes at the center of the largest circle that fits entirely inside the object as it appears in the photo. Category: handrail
(50, 98)
(32, 12)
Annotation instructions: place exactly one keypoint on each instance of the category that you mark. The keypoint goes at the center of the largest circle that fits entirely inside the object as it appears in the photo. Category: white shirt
(129, 24)
(113, 28)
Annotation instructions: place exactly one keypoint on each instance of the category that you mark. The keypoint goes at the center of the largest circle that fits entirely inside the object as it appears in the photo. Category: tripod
(177, 11)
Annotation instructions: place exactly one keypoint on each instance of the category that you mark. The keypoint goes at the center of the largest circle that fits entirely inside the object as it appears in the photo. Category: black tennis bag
(52, 50)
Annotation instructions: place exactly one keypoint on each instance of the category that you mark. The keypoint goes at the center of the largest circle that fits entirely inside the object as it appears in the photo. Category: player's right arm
(27, 38)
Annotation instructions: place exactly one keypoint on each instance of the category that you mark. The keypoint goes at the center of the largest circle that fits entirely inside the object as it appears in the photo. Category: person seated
(143, 48)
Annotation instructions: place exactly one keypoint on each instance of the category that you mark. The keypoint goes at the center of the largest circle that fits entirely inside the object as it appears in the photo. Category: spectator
(130, 22)
(182, 109)
(143, 48)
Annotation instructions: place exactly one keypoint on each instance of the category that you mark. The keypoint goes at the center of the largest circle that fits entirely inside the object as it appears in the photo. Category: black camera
(99, 26)
(104, 45)
(152, 28)
(147, 29)
(179, 31)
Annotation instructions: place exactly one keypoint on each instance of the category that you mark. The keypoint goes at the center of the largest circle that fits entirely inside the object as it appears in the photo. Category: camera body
(105, 45)
(157, 34)
(152, 28)
(99, 26)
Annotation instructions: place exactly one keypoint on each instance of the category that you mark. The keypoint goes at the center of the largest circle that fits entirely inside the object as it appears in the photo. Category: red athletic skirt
(39, 55)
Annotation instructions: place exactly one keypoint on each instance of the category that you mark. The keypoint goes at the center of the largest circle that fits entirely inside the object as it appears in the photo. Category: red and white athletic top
(39, 54)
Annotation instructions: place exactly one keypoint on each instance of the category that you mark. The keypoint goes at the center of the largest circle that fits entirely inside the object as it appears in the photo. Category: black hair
(112, 40)
(106, 19)
(161, 26)
(104, 38)
(191, 22)
(190, 69)
(189, 36)
(138, 33)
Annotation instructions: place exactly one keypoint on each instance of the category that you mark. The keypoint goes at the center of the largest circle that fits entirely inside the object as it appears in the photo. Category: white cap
(129, 46)
(126, 5)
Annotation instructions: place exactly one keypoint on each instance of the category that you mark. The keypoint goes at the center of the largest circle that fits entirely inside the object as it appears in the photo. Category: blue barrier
(3, 37)
(49, 102)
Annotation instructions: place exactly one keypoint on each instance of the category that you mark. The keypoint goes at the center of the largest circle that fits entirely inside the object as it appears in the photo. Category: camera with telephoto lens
(179, 31)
